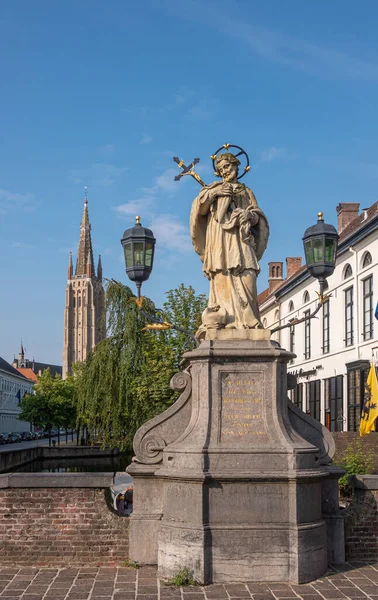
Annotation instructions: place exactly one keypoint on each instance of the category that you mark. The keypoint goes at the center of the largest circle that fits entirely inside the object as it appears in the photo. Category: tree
(184, 309)
(125, 380)
(53, 403)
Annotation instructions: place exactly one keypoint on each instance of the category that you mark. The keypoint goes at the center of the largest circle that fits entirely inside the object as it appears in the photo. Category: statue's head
(227, 166)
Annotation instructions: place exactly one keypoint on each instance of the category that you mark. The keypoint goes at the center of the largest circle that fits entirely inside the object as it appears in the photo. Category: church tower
(84, 313)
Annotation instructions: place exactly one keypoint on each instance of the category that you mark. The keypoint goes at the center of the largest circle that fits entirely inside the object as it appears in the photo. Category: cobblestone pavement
(356, 581)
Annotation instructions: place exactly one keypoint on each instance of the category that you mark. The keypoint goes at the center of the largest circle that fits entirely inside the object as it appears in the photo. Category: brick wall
(361, 520)
(59, 526)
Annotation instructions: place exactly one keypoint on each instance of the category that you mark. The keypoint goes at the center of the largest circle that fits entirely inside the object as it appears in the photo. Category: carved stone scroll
(314, 432)
(151, 439)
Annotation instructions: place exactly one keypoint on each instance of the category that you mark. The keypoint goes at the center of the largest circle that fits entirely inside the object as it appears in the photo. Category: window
(367, 260)
(357, 373)
(297, 395)
(306, 297)
(326, 327)
(367, 304)
(291, 306)
(334, 417)
(349, 332)
(313, 395)
(292, 339)
(348, 272)
(307, 352)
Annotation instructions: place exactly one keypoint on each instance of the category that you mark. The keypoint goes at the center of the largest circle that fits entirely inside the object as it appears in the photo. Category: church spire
(70, 266)
(21, 354)
(99, 268)
(85, 252)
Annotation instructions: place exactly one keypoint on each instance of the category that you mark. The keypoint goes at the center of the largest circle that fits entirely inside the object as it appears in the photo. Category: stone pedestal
(239, 488)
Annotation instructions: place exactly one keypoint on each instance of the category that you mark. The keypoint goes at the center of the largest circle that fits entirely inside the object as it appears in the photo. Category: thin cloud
(135, 207)
(166, 181)
(21, 245)
(172, 234)
(294, 52)
(98, 174)
(14, 201)
(299, 54)
(163, 183)
(274, 153)
(107, 150)
(146, 139)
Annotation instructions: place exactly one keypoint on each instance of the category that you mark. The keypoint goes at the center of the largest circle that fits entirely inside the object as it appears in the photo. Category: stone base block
(255, 335)
(143, 540)
(243, 554)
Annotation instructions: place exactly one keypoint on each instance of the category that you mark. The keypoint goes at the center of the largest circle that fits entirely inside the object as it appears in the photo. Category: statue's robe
(230, 255)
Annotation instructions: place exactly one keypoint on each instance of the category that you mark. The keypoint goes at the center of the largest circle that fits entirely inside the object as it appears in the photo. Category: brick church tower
(84, 313)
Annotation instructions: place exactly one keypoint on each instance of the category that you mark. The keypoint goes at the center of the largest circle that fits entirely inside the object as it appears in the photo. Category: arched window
(291, 306)
(367, 260)
(265, 323)
(276, 316)
(348, 271)
(306, 297)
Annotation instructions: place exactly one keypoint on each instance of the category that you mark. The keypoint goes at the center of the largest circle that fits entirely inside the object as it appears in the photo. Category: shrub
(357, 459)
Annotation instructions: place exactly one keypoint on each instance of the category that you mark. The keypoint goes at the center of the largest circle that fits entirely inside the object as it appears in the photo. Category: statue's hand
(253, 218)
(221, 190)
(225, 190)
(243, 216)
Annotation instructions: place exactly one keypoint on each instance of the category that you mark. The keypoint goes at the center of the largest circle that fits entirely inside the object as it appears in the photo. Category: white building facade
(334, 349)
(13, 386)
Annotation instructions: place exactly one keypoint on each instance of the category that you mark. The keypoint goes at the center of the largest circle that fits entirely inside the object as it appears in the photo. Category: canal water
(101, 464)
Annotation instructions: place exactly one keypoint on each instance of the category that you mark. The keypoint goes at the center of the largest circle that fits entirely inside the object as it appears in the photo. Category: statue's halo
(241, 152)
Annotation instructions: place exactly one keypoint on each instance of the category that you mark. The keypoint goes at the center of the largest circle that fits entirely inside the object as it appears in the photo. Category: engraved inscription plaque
(242, 415)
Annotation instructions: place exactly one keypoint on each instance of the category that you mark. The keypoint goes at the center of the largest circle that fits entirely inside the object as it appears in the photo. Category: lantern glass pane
(138, 254)
(317, 245)
(149, 254)
(309, 253)
(128, 255)
(330, 247)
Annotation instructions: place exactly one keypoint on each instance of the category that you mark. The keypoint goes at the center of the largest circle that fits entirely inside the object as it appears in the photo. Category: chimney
(346, 213)
(293, 264)
(275, 275)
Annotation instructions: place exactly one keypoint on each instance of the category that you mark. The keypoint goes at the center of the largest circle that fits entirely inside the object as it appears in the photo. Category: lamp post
(320, 247)
(138, 245)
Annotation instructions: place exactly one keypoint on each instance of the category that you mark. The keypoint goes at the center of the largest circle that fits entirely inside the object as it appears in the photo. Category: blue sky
(104, 94)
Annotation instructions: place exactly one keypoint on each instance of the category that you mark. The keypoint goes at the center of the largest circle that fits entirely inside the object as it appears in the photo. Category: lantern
(320, 247)
(138, 246)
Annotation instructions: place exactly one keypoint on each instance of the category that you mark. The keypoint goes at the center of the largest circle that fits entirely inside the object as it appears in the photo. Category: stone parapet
(59, 520)
(361, 519)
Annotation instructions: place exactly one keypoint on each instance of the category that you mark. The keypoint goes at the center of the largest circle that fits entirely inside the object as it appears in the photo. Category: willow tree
(125, 380)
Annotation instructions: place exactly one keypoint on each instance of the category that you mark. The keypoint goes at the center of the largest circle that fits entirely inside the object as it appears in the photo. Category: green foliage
(357, 459)
(129, 563)
(53, 404)
(183, 578)
(183, 308)
(125, 380)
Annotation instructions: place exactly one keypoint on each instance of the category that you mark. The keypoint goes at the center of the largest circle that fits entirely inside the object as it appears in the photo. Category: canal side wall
(63, 519)
(12, 459)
